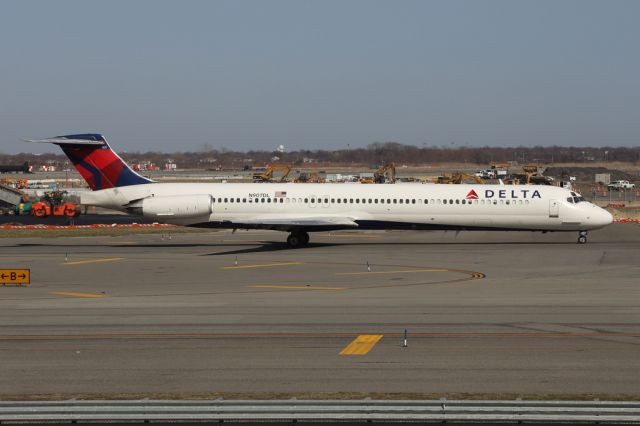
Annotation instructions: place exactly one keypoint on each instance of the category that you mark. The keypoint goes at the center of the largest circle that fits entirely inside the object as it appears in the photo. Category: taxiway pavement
(213, 313)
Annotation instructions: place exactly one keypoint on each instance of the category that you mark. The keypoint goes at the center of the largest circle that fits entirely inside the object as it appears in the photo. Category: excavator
(267, 175)
(385, 174)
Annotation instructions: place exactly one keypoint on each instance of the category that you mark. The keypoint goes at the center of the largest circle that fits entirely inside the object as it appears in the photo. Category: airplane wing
(312, 223)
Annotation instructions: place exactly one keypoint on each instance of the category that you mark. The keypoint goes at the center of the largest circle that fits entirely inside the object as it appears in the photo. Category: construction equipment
(305, 177)
(385, 174)
(267, 175)
(53, 204)
(533, 176)
(458, 178)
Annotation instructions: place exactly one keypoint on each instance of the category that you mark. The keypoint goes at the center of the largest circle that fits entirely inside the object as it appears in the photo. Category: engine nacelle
(177, 206)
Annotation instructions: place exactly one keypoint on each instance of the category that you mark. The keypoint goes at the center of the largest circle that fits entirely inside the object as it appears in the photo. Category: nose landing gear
(298, 239)
(582, 237)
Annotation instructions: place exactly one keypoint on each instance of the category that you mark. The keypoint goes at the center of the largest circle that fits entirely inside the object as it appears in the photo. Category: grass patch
(97, 232)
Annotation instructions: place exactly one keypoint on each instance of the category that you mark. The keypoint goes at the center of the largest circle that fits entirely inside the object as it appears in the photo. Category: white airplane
(302, 208)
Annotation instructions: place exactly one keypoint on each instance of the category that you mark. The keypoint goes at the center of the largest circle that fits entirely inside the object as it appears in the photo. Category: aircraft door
(554, 208)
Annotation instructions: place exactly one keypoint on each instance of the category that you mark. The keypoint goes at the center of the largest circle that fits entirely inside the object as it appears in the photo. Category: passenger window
(413, 201)
(333, 200)
(344, 200)
(281, 200)
(357, 200)
(226, 199)
(457, 201)
(526, 202)
(401, 201)
(464, 201)
(287, 200)
(326, 200)
(370, 201)
(306, 200)
(350, 200)
(426, 201)
(444, 201)
(219, 200)
(450, 201)
(262, 200)
(376, 201)
(231, 200)
(339, 200)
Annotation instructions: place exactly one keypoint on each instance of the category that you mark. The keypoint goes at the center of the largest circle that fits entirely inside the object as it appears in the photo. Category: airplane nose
(607, 218)
(601, 218)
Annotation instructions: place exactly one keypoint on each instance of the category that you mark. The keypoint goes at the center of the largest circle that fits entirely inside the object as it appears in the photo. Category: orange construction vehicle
(54, 204)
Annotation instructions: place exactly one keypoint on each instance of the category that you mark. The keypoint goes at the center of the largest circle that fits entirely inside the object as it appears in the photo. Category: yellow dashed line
(263, 265)
(400, 271)
(361, 344)
(298, 287)
(80, 262)
(88, 295)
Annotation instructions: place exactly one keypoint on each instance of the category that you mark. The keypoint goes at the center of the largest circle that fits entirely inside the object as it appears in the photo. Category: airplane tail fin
(98, 164)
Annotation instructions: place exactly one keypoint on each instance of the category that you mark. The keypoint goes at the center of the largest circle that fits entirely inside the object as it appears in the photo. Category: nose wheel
(298, 239)
(582, 237)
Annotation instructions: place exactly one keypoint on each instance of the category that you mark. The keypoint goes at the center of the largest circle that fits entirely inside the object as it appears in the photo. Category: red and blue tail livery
(98, 164)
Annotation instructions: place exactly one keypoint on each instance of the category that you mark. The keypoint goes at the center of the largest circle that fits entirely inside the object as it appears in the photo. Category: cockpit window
(570, 199)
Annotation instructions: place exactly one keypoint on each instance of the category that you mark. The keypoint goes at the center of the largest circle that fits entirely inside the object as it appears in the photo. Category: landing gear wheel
(582, 238)
(297, 239)
(305, 238)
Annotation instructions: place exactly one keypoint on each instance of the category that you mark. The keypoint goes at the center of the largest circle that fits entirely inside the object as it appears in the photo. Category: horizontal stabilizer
(61, 141)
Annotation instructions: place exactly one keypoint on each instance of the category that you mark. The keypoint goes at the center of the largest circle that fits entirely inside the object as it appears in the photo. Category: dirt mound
(587, 174)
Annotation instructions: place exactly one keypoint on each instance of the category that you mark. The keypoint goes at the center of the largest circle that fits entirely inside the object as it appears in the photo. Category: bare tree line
(373, 154)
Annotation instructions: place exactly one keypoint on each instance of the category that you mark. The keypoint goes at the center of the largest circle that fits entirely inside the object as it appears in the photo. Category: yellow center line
(361, 345)
(263, 265)
(298, 287)
(80, 262)
(399, 271)
(88, 295)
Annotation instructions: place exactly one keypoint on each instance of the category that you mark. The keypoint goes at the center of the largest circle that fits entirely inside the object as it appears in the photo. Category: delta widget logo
(472, 195)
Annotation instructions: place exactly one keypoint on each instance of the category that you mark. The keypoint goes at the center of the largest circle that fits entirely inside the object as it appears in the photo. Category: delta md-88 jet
(302, 208)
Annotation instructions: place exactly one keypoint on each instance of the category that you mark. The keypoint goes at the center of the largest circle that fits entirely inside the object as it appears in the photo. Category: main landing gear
(298, 239)
(582, 237)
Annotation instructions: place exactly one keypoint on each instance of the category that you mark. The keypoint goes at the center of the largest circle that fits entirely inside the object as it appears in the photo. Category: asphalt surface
(486, 314)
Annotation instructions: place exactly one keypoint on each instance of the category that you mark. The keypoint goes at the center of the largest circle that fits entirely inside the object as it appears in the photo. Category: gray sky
(171, 76)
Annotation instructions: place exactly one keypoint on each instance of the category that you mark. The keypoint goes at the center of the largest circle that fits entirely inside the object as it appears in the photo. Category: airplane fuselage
(399, 206)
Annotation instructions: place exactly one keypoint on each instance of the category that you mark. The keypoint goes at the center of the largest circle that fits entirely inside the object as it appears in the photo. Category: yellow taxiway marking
(80, 262)
(262, 265)
(298, 287)
(88, 295)
(399, 271)
(361, 345)
(123, 242)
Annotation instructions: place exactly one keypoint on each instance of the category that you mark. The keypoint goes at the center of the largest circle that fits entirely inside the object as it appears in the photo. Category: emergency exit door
(554, 208)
